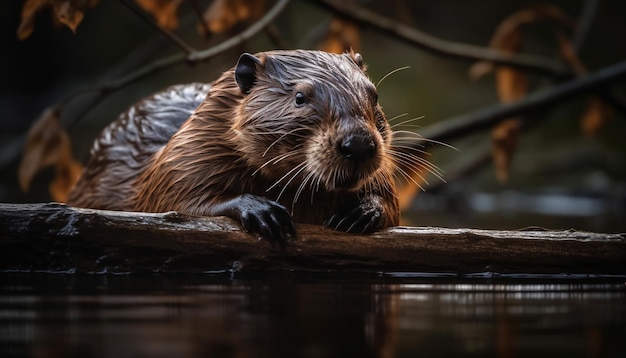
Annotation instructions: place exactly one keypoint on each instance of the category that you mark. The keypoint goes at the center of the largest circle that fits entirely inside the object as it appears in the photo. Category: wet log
(53, 237)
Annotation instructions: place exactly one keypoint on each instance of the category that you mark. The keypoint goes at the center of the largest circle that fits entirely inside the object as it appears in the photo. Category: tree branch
(461, 125)
(191, 57)
(55, 237)
(168, 34)
(439, 46)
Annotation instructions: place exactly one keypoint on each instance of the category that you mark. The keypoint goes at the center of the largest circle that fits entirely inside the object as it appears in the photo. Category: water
(298, 315)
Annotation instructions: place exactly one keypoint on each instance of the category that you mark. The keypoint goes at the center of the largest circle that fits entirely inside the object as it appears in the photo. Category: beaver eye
(300, 99)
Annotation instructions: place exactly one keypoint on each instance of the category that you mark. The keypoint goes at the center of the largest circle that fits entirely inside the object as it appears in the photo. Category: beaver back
(124, 147)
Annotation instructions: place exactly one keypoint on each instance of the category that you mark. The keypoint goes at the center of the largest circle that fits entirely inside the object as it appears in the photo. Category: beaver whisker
(391, 73)
(412, 136)
(407, 148)
(301, 188)
(423, 163)
(409, 178)
(411, 166)
(406, 122)
(291, 132)
(302, 167)
(408, 151)
(275, 160)
(387, 179)
(277, 182)
(318, 181)
(416, 163)
(396, 117)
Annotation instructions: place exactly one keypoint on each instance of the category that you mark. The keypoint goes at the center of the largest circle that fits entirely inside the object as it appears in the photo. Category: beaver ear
(245, 72)
(357, 59)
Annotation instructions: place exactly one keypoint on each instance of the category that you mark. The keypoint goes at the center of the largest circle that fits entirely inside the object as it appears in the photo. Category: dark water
(288, 315)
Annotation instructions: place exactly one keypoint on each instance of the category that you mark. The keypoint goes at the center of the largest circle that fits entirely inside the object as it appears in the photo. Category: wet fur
(236, 143)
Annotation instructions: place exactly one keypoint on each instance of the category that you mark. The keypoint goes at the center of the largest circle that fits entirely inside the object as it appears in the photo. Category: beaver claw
(260, 215)
(361, 216)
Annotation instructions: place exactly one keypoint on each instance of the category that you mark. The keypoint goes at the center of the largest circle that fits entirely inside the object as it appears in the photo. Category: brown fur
(258, 143)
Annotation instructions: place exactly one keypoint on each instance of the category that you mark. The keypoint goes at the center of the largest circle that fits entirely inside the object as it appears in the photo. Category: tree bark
(54, 237)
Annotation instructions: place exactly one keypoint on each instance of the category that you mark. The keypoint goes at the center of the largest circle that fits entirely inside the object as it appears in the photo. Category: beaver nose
(357, 146)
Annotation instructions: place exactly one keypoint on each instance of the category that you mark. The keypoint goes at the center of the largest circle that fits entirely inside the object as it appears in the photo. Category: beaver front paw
(363, 216)
(260, 215)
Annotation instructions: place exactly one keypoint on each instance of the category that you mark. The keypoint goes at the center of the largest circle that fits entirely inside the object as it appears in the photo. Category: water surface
(289, 315)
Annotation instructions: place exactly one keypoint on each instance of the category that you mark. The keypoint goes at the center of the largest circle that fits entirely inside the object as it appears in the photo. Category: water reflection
(296, 316)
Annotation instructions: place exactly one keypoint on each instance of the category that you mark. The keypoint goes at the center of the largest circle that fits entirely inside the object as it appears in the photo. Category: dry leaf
(568, 53)
(48, 144)
(67, 173)
(505, 137)
(27, 24)
(597, 114)
(342, 36)
(598, 111)
(164, 11)
(409, 190)
(511, 84)
(68, 12)
(222, 15)
(508, 38)
(480, 69)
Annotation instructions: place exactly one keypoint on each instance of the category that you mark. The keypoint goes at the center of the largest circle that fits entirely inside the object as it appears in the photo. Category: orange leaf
(71, 12)
(68, 12)
(342, 36)
(164, 11)
(597, 114)
(505, 137)
(511, 84)
(480, 69)
(39, 151)
(222, 15)
(29, 11)
(66, 175)
(48, 144)
(415, 182)
(568, 53)
(508, 37)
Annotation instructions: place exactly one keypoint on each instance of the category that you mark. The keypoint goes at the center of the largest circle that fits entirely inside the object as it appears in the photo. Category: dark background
(559, 179)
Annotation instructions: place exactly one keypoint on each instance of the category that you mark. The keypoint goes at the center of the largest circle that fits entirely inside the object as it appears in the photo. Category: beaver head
(312, 117)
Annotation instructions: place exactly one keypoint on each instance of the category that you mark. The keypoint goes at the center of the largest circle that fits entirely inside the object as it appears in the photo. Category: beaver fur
(282, 137)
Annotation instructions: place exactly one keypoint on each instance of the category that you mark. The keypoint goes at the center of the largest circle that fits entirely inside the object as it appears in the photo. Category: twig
(240, 38)
(274, 35)
(168, 34)
(12, 150)
(163, 63)
(444, 47)
(196, 8)
(584, 23)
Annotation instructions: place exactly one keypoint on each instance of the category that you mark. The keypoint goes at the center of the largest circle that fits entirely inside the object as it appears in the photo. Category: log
(53, 237)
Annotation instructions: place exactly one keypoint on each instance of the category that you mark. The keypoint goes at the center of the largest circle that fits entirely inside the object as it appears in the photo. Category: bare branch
(166, 62)
(461, 125)
(168, 34)
(242, 37)
(442, 47)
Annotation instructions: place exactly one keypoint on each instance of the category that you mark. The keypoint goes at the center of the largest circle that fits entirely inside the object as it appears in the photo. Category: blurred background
(559, 178)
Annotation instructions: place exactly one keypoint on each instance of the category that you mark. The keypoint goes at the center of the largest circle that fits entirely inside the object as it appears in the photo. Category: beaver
(284, 136)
